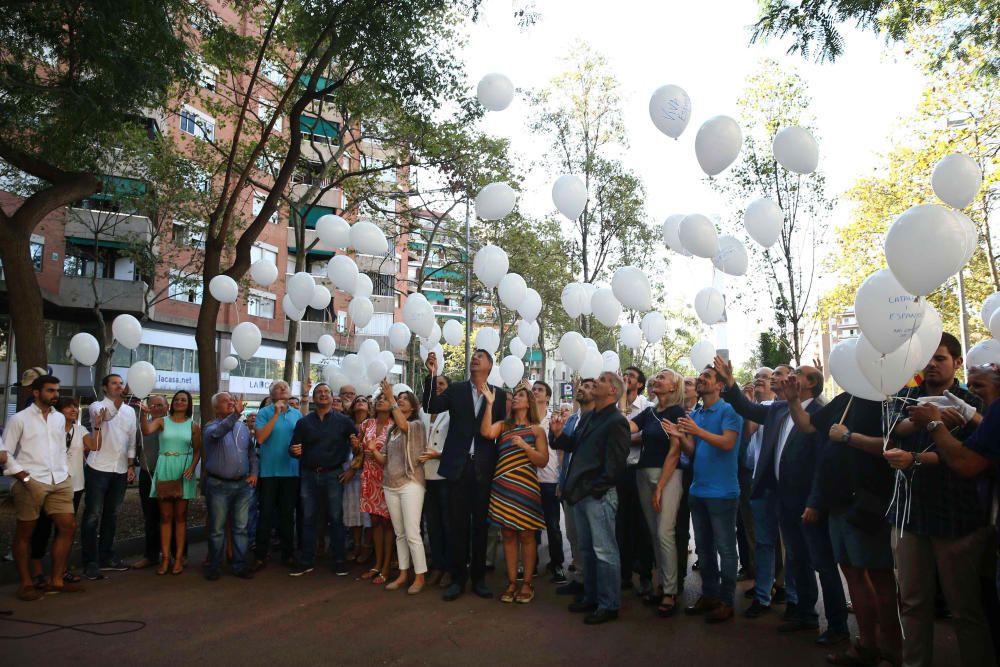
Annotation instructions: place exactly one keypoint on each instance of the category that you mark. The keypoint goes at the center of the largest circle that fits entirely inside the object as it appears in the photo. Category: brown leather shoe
(28, 594)
(702, 606)
(720, 614)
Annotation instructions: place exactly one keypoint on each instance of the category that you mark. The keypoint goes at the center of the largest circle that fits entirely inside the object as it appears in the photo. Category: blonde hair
(676, 397)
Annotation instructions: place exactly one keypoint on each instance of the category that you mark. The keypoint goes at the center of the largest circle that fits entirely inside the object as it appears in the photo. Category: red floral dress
(372, 494)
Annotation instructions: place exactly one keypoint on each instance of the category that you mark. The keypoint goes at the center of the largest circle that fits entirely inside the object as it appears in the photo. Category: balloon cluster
(363, 370)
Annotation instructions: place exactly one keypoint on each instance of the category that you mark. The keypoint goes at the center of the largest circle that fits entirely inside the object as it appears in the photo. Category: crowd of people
(799, 494)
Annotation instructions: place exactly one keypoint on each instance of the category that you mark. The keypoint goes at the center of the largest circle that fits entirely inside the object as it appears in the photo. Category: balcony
(82, 223)
(127, 296)
(385, 265)
(445, 309)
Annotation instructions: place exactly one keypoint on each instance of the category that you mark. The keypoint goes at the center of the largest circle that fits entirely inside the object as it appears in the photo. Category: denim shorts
(854, 547)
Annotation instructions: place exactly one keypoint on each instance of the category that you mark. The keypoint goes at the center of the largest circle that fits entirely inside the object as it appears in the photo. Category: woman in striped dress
(516, 498)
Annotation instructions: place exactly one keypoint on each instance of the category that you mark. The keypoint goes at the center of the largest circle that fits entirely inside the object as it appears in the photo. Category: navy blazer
(464, 425)
(798, 458)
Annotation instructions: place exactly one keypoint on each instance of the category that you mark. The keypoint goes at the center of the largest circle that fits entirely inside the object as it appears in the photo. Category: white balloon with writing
(717, 144)
(887, 314)
(796, 149)
(670, 110)
(956, 180)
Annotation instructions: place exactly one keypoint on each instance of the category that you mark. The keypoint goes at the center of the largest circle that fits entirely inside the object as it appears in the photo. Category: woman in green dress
(180, 451)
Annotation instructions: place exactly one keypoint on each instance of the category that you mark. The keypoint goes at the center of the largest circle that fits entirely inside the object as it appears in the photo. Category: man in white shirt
(35, 447)
(109, 472)
(548, 481)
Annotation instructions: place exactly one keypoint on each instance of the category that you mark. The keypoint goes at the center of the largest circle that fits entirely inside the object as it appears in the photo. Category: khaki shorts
(31, 498)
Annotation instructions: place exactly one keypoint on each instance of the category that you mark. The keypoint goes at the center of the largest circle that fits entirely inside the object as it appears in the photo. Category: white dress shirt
(477, 401)
(786, 428)
(117, 439)
(635, 447)
(437, 432)
(36, 444)
(753, 449)
(75, 455)
(549, 474)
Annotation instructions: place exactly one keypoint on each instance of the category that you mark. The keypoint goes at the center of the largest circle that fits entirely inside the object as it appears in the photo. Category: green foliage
(771, 350)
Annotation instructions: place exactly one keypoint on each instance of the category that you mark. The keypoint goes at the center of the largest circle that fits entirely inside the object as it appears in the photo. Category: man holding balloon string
(939, 522)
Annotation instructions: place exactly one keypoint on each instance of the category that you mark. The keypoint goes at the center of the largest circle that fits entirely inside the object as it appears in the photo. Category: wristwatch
(916, 460)
(846, 438)
(26, 478)
(932, 425)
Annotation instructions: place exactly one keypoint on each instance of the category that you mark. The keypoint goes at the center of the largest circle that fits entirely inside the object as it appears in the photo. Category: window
(341, 321)
(265, 110)
(189, 233)
(163, 358)
(258, 206)
(86, 262)
(185, 287)
(290, 266)
(258, 252)
(36, 250)
(260, 304)
(383, 285)
(272, 72)
(378, 326)
(197, 124)
(207, 76)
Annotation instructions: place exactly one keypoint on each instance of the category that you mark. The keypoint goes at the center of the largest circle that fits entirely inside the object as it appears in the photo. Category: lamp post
(468, 287)
(961, 120)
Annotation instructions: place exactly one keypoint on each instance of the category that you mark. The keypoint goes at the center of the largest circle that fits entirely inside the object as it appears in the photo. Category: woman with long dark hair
(174, 484)
(372, 441)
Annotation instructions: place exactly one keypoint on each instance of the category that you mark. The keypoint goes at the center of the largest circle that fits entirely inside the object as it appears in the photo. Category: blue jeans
(765, 526)
(815, 538)
(714, 522)
(322, 487)
(104, 494)
(227, 500)
(595, 533)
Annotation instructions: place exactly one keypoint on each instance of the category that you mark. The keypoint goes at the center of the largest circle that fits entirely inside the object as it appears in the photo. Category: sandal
(370, 573)
(525, 598)
(508, 595)
(162, 569)
(378, 579)
(666, 609)
(28, 594)
(178, 568)
(71, 578)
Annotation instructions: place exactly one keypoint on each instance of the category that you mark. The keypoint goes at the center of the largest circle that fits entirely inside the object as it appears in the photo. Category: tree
(580, 112)
(774, 99)
(73, 75)
(771, 350)
(967, 25)
(958, 113)
(683, 332)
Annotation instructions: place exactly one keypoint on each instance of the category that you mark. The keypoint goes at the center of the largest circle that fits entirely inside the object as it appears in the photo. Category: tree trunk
(293, 336)
(208, 363)
(25, 299)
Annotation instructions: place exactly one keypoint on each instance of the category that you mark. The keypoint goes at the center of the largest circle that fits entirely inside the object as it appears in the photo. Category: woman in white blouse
(78, 442)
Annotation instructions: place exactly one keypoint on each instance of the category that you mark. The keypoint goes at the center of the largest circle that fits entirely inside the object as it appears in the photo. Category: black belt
(339, 468)
(227, 479)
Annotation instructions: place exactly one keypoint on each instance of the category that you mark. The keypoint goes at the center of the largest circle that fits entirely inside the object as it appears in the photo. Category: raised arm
(216, 431)
(733, 395)
(435, 403)
(488, 429)
(264, 430)
(790, 392)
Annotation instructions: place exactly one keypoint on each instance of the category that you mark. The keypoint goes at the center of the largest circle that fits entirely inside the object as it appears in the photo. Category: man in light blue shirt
(278, 484)
(712, 434)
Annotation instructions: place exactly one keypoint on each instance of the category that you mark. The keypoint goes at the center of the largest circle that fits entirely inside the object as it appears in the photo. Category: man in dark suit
(467, 461)
(599, 445)
(783, 479)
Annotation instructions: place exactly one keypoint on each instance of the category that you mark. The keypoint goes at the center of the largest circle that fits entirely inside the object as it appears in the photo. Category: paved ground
(321, 619)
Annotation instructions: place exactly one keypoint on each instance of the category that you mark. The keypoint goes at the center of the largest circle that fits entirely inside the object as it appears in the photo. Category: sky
(704, 48)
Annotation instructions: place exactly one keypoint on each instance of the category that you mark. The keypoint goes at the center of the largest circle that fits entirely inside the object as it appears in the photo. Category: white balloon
(495, 201)
(984, 352)
(495, 91)
(517, 347)
(389, 359)
(589, 289)
(353, 366)
(763, 220)
(246, 340)
(335, 378)
(630, 286)
(528, 332)
(376, 370)
(889, 372)
(327, 345)
(141, 378)
(361, 310)
(421, 321)
(606, 307)
(717, 144)
(654, 326)
(300, 288)
(494, 377)
(702, 355)
(364, 286)
(511, 289)
(434, 337)
(971, 235)
(488, 339)
(956, 180)
(453, 332)
(631, 336)
(846, 372)
(887, 314)
(612, 363)
(368, 239)
(490, 264)
(292, 311)
(511, 370)
(929, 333)
(230, 363)
(710, 305)
(531, 305)
(572, 349)
(796, 150)
(670, 110)
(994, 325)
(334, 231)
(343, 272)
(574, 298)
(415, 302)
(569, 194)
(85, 349)
(399, 336)
(991, 303)
(732, 256)
(697, 234)
(321, 297)
(223, 289)
(924, 247)
(590, 343)
(264, 272)
(671, 234)
(437, 350)
(127, 331)
(593, 364)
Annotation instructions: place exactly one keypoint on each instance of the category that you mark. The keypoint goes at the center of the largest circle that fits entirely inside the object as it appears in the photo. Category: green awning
(313, 213)
(119, 186)
(320, 127)
(434, 296)
(312, 253)
(321, 82)
(101, 243)
(442, 274)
